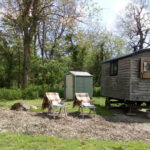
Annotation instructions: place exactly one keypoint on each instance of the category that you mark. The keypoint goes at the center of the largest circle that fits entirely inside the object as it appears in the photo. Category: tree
(134, 24)
(77, 50)
(26, 16)
(59, 22)
(103, 45)
(10, 55)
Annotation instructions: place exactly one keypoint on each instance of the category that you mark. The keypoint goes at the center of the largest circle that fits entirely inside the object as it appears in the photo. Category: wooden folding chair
(52, 101)
(82, 100)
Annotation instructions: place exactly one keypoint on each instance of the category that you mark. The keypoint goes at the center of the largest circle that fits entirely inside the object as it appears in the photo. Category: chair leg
(60, 111)
(65, 112)
(79, 109)
(90, 111)
(53, 113)
(49, 110)
(94, 113)
(82, 112)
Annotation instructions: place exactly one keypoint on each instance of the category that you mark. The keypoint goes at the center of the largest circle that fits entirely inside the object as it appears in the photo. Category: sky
(111, 8)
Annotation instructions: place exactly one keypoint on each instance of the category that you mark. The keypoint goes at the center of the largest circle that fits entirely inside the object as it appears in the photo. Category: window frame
(112, 71)
(144, 74)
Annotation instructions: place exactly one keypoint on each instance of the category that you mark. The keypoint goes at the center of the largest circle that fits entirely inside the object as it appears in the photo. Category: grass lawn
(9, 141)
(99, 103)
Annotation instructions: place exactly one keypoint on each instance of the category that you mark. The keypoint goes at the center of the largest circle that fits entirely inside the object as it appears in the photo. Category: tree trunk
(9, 71)
(19, 70)
(52, 50)
(27, 43)
(141, 42)
(35, 39)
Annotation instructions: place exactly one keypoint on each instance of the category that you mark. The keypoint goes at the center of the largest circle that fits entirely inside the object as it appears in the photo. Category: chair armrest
(92, 101)
(62, 102)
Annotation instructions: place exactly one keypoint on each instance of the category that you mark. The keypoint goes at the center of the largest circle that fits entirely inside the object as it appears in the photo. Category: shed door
(84, 85)
(69, 87)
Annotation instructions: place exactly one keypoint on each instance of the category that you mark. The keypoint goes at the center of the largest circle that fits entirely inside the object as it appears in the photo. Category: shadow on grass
(77, 114)
(101, 110)
(42, 115)
(114, 114)
(45, 115)
(121, 115)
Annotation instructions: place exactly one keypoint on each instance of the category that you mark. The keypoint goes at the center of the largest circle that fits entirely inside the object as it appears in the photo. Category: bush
(31, 92)
(43, 89)
(10, 94)
(97, 91)
(59, 89)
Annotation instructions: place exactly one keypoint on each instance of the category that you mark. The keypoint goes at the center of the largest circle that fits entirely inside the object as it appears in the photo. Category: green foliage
(26, 142)
(59, 89)
(78, 51)
(34, 92)
(10, 94)
(42, 89)
(31, 92)
(96, 91)
(51, 72)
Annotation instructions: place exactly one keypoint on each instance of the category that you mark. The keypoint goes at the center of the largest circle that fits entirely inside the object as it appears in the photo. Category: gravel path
(119, 127)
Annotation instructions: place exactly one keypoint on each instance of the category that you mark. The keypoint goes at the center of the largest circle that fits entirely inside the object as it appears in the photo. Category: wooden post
(107, 103)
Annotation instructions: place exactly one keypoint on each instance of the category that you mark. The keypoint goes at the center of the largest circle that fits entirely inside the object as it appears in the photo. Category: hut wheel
(107, 103)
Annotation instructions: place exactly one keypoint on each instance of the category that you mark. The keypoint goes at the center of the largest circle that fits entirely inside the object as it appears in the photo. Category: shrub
(10, 94)
(96, 91)
(43, 89)
(31, 92)
(59, 89)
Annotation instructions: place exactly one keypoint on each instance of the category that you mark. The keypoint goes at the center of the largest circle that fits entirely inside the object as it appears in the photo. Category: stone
(22, 106)
(33, 107)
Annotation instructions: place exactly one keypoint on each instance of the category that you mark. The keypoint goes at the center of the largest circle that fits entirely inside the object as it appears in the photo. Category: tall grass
(97, 91)
(31, 92)
(10, 94)
(34, 92)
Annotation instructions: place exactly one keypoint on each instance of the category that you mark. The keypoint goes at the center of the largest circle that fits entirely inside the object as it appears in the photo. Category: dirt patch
(119, 127)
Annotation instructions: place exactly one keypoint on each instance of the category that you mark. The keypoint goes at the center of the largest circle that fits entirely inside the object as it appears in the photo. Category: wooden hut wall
(140, 88)
(116, 86)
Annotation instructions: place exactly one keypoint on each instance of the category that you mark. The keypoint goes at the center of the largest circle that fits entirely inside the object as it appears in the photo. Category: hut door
(69, 87)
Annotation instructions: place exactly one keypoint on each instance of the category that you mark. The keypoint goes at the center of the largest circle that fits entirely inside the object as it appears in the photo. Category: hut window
(145, 69)
(113, 68)
(146, 66)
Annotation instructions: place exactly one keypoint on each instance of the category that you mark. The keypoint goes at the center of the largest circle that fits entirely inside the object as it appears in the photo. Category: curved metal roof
(128, 55)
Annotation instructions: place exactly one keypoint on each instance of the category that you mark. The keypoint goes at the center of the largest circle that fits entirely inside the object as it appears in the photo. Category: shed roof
(128, 55)
(80, 73)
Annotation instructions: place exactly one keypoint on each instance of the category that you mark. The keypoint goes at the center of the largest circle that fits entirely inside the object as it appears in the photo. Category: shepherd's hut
(127, 78)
